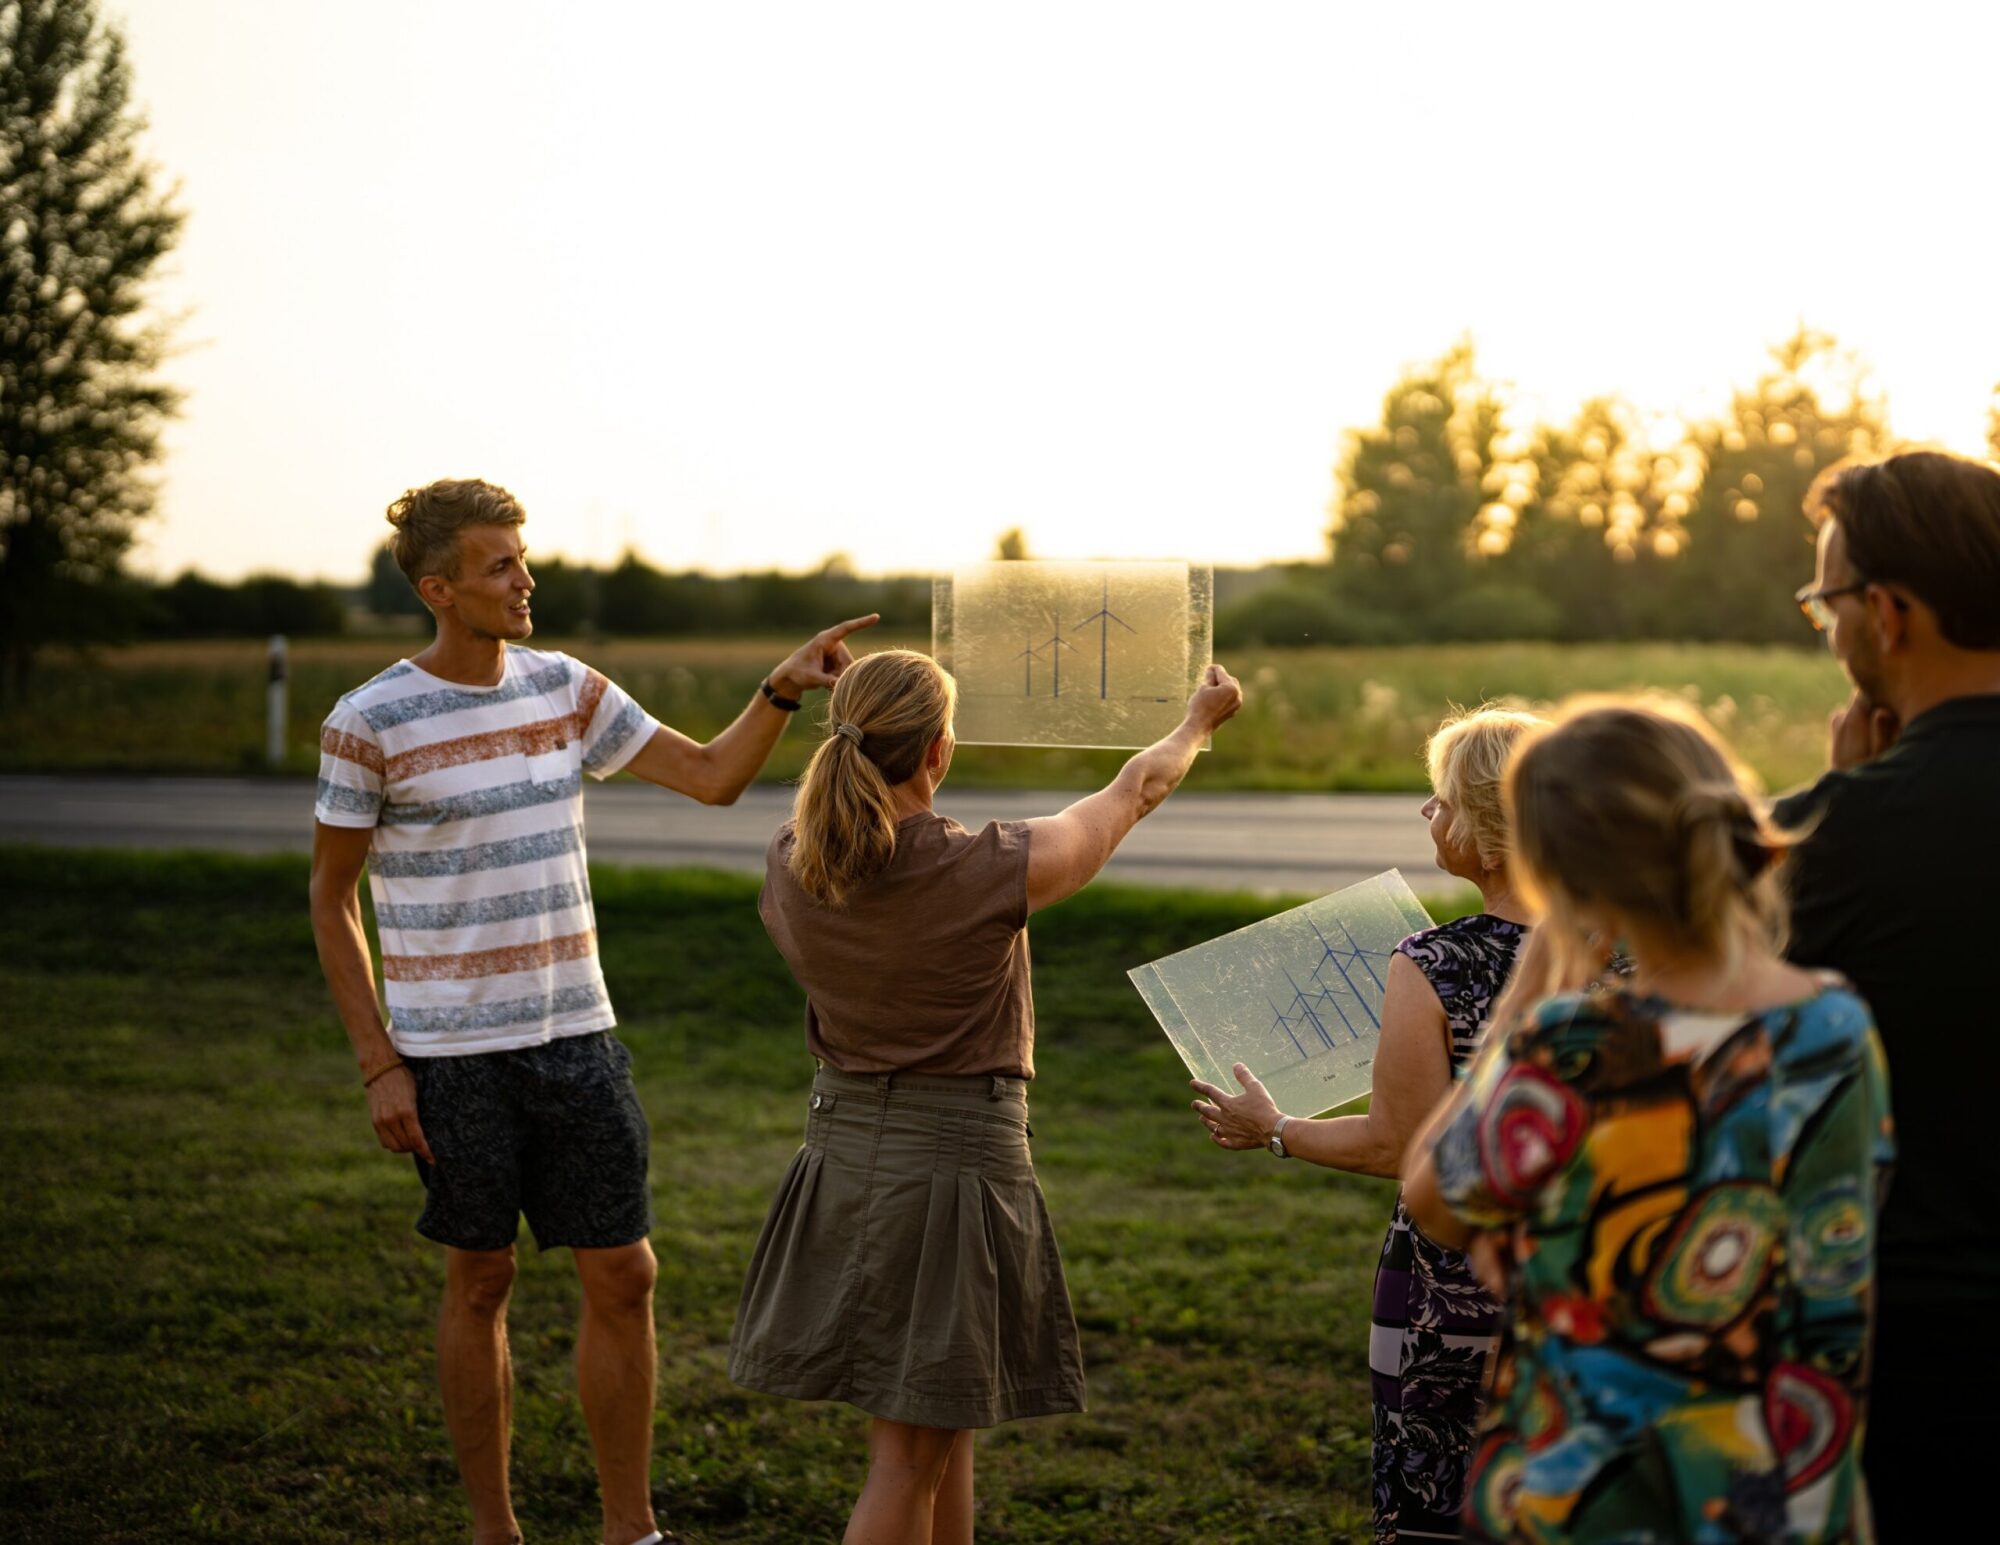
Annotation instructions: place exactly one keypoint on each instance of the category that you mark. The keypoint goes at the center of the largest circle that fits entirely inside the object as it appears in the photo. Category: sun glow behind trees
(1462, 515)
(742, 286)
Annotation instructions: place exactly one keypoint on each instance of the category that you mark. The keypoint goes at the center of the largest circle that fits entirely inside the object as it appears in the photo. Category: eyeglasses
(1813, 602)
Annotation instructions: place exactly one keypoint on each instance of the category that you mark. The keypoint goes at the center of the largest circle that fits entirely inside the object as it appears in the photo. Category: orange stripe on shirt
(588, 698)
(473, 963)
(537, 739)
(338, 743)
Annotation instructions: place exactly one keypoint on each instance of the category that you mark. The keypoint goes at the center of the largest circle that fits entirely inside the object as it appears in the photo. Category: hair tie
(851, 731)
(1707, 802)
(1728, 806)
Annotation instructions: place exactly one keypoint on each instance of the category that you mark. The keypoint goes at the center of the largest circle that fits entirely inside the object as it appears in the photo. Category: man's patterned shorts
(552, 1131)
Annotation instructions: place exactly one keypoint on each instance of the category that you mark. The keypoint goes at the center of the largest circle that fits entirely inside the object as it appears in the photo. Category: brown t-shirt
(925, 970)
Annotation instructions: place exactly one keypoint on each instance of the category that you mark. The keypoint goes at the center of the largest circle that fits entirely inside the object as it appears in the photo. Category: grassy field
(1314, 719)
(215, 1319)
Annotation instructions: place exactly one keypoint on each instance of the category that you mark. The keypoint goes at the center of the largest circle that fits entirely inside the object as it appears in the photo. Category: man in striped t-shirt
(455, 778)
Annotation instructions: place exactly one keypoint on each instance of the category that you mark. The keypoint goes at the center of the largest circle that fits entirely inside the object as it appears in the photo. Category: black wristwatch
(783, 704)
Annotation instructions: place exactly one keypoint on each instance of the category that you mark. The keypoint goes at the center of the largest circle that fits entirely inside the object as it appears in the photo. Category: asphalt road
(1307, 843)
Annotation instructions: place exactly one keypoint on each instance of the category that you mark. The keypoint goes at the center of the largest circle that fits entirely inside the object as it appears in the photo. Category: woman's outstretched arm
(1412, 1073)
(1066, 851)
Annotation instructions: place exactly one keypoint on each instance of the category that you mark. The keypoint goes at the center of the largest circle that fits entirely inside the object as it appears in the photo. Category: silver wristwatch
(1277, 1143)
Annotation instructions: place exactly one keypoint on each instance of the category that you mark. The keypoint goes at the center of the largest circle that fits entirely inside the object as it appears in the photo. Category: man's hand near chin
(1860, 732)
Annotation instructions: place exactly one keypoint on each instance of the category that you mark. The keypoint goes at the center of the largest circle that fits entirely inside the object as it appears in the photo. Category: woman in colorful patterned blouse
(1681, 1170)
(1433, 1324)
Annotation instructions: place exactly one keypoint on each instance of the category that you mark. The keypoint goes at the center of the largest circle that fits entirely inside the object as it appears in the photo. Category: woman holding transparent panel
(1433, 1323)
(907, 1265)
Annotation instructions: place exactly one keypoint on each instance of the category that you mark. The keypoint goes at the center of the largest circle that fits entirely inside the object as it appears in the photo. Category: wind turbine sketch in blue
(1307, 1010)
(1104, 617)
(1288, 1023)
(1028, 657)
(1300, 1015)
(1340, 960)
(1060, 644)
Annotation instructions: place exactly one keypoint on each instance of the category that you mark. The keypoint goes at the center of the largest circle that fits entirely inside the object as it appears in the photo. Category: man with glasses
(1896, 884)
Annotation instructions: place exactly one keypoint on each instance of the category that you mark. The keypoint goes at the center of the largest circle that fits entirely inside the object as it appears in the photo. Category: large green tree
(1748, 544)
(1402, 532)
(84, 223)
(1432, 506)
(1458, 518)
(1605, 533)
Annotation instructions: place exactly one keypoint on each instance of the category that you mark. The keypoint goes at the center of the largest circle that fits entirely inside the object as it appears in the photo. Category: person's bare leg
(615, 1362)
(477, 1381)
(905, 1466)
(951, 1513)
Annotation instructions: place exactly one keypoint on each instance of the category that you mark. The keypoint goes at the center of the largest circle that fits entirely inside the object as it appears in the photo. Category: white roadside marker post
(274, 705)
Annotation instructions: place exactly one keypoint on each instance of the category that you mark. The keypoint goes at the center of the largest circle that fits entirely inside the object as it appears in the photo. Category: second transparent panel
(1297, 998)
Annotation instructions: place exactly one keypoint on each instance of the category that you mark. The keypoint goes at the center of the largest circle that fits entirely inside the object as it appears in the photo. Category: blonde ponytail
(886, 711)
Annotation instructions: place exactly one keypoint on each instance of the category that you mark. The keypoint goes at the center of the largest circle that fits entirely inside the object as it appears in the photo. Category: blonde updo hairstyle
(1638, 806)
(1466, 757)
(898, 702)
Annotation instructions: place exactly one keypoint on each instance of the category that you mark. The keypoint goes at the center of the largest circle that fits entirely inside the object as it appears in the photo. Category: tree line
(1455, 518)
(628, 598)
(1458, 516)
(633, 597)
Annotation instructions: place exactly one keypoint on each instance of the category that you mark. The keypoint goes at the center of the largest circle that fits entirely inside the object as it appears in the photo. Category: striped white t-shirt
(482, 901)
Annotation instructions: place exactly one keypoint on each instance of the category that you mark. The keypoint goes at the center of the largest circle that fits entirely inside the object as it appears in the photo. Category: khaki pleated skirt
(908, 1266)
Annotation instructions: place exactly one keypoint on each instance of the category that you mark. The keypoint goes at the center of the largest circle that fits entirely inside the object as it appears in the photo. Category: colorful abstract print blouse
(1691, 1199)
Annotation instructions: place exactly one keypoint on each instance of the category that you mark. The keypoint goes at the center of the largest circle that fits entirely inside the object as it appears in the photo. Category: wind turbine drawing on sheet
(1104, 616)
(1060, 644)
(1301, 1015)
(1354, 969)
(1341, 959)
(1283, 1021)
(1028, 657)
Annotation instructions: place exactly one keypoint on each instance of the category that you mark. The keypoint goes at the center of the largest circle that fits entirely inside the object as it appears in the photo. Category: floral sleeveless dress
(1433, 1324)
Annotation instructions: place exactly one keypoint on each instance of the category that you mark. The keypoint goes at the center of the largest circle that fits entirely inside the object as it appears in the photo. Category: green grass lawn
(215, 1318)
(1313, 719)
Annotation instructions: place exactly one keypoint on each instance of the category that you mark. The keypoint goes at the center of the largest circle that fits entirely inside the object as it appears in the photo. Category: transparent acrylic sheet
(1297, 998)
(1073, 654)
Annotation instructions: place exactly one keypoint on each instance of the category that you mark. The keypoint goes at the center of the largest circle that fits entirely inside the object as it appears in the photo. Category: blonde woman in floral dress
(1433, 1323)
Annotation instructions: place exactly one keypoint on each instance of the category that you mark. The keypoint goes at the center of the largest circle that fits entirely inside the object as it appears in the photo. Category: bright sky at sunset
(743, 285)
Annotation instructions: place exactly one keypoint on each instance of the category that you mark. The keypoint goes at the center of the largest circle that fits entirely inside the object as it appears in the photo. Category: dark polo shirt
(1897, 886)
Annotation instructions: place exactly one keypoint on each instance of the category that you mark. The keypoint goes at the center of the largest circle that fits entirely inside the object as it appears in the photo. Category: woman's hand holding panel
(1238, 1121)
